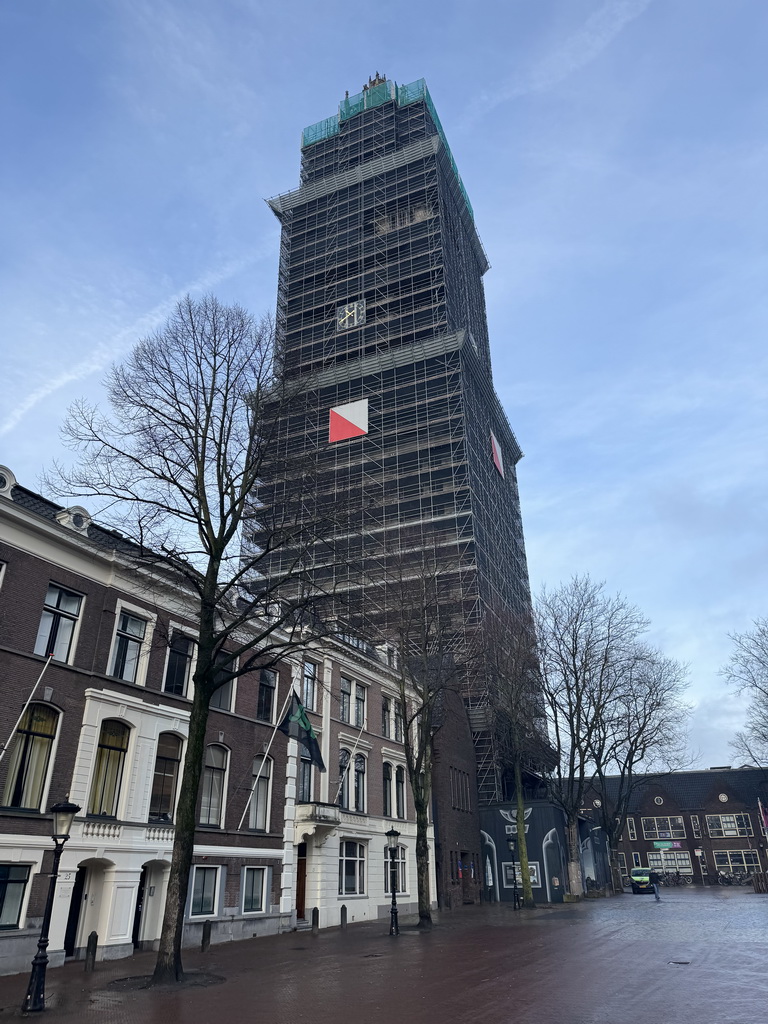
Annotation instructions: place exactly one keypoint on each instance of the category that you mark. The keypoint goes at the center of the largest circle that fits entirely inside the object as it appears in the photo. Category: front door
(139, 908)
(75, 906)
(301, 881)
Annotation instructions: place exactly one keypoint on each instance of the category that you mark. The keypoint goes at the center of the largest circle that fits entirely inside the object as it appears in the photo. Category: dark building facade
(382, 331)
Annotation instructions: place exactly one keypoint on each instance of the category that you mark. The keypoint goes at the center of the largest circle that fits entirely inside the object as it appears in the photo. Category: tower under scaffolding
(381, 318)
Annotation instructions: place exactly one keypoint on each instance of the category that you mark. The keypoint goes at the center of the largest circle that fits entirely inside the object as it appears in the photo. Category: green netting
(352, 105)
(374, 97)
(322, 130)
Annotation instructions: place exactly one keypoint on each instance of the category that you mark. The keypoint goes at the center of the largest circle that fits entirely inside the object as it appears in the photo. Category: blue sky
(616, 155)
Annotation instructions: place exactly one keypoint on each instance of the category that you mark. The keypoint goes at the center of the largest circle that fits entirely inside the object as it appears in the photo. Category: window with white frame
(695, 826)
(260, 802)
(631, 830)
(722, 826)
(345, 704)
(663, 828)
(205, 884)
(737, 860)
(127, 648)
(360, 783)
(636, 860)
(222, 698)
(387, 787)
(351, 868)
(386, 711)
(178, 670)
(162, 801)
(58, 623)
(213, 785)
(344, 779)
(670, 860)
(359, 705)
(13, 883)
(108, 773)
(399, 721)
(309, 685)
(304, 792)
(29, 757)
(253, 890)
(622, 863)
(399, 853)
(266, 699)
(400, 791)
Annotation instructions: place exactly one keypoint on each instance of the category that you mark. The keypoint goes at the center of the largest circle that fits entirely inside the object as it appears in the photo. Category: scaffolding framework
(382, 219)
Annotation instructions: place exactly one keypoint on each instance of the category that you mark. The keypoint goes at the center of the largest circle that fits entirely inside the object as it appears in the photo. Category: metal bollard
(343, 915)
(315, 920)
(206, 937)
(90, 951)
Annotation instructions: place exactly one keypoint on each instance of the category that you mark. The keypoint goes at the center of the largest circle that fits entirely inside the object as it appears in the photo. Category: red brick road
(598, 962)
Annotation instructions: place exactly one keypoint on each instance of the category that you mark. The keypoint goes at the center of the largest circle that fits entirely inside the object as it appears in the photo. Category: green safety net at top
(374, 96)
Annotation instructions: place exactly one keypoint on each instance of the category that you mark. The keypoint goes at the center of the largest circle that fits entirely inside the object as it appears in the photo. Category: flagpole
(23, 710)
(278, 720)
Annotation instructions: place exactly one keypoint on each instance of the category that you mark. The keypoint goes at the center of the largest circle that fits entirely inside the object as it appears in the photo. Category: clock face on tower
(350, 315)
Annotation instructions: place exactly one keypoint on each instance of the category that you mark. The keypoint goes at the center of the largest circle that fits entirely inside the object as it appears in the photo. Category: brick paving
(698, 957)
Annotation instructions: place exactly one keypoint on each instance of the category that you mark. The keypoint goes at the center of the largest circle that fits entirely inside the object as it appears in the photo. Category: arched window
(262, 775)
(165, 779)
(387, 789)
(344, 779)
(400, 791)
(110, 758)
(212, 785)
(29, 757)
(360, 783)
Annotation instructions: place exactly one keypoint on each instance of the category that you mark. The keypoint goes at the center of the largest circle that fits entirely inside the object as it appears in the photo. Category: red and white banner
(498, 461)
(346, 421)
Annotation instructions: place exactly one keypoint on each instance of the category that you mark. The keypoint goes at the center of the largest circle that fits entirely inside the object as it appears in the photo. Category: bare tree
(747, 672)
(420, 625)
(511, 678)
(194, 409)
(642, 732)
(587, 645)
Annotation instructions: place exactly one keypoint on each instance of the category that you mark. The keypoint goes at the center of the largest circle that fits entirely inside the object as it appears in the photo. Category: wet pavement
(700, 956)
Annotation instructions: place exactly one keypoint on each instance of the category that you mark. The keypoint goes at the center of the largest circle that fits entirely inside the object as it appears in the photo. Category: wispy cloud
(597, 32)
(111, 349)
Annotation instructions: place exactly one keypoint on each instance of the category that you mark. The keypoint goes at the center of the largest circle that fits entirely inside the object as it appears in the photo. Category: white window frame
(696, 826)
(232, 683)
(216, 893)
(740, 867)
(264, 878)
(671, 860)
(354, 792)
(124, 783)
(738, 831)
(359, 891)
(673, 832)
(23, 903)
(636, 863)
(51, 757)
(401, 861)
(631, 831)
(180, 773)
(224, 788)
(76, 618)
(146, 643)
(189, 690)
(360, 688)
(252, 809)
(313, 680)
(275, 688)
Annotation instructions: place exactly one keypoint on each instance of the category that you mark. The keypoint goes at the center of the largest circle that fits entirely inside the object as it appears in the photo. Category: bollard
(315, 920)
(343, 915)
(206, 937)
(90, 951)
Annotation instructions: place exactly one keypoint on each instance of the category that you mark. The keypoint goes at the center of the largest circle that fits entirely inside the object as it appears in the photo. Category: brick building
(104, 722)
(698, 823)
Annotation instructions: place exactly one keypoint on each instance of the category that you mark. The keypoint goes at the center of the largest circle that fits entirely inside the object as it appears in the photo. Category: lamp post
(63, 816)
(515, 894)
(392, 837)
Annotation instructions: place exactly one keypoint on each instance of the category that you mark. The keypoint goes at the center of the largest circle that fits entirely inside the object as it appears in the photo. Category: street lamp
(63, 816)
(392, 837)
(515, 894)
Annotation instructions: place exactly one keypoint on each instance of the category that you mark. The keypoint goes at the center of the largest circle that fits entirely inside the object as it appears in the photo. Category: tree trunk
(522, 844)
(575, 880)
(168, 967)
(422, 865)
